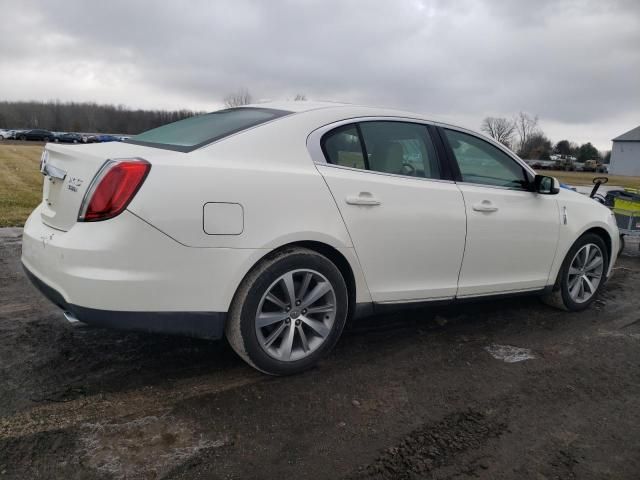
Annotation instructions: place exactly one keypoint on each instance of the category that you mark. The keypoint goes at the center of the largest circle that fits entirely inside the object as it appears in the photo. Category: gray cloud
(574, 63)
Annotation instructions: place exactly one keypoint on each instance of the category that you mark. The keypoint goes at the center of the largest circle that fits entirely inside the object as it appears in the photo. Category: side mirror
(546, 185)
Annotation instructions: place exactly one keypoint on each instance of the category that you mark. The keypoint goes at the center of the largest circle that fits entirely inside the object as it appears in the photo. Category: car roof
(346, 109)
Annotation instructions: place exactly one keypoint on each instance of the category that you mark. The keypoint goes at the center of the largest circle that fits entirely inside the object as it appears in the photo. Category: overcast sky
(576, 64)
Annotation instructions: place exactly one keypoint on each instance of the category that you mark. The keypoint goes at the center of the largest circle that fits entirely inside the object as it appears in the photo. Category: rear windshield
(195, 132)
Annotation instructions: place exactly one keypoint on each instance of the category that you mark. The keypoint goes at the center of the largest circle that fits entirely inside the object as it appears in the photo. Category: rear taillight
(113, 187)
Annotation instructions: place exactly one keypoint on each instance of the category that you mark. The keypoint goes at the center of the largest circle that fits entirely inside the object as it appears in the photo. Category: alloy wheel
(295, 315)
(585, 273)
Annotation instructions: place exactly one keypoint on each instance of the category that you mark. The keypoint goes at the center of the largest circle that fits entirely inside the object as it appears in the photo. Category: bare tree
(300, 97)
(500, 129)
(241, 97)
(525, 126)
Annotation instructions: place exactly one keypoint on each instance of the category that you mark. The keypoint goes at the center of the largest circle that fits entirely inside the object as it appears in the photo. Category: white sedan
(274, 223)
(6, 134)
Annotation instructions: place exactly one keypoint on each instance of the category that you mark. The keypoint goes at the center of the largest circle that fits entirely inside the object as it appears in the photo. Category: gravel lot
(417, 395)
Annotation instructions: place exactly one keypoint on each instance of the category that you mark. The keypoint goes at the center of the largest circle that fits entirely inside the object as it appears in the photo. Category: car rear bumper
(125, 273)
(208, 325)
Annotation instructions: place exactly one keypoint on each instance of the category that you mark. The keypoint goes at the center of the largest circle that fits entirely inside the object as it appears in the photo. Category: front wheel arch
(602, 233)
(555, 297)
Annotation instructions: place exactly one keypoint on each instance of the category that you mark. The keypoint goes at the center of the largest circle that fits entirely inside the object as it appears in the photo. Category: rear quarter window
(195, 132)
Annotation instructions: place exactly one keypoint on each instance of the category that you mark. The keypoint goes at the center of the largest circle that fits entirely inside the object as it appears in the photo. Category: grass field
(584, 178)
(21, 182)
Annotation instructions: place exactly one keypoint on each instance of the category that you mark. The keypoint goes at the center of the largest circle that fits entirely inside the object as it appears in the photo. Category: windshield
(194, 132)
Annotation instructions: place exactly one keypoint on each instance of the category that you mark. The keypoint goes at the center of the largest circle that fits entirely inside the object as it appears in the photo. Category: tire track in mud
(100, 407)
(434, 446)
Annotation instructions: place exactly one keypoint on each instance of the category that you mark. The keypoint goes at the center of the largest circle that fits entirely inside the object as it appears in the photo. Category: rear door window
(342, 147)
(399, 148)
(195, 132)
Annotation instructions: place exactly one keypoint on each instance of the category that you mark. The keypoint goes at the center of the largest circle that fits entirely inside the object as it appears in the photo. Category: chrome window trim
(317, 155)
(384, 174)
(498, 187)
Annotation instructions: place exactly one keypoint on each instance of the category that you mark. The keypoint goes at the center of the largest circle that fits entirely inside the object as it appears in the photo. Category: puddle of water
(509, 353)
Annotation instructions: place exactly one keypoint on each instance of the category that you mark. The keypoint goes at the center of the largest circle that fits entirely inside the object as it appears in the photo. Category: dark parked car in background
(106, 138)
(41, 135)
(68, 138)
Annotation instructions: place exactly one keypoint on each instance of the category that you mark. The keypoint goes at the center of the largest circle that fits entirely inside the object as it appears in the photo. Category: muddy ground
(415, 395)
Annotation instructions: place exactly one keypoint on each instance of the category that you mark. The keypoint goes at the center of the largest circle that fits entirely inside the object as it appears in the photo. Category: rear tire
(581, 276)
(280, 330)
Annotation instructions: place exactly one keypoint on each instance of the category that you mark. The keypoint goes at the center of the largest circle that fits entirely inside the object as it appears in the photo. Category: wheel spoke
(316, 325)
(303, 338)
(274, 335)
(575, 288)
(289, 288)
(574, 271)
(287, 342)
(594, 263)
(305, 285)
(269, 318)
(323, 309)
(588, 284)
(573, 282)
(581, 291)
(275, 300)
(318, 292)
(586, 250)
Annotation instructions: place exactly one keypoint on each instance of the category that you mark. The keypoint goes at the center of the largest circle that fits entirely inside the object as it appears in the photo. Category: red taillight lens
(113, 188)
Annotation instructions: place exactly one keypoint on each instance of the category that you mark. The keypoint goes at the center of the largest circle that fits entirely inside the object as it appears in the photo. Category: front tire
(582, 274)
(288, 312)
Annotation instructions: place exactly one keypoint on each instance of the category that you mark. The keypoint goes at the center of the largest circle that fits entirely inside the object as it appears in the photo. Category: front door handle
(485, 206)
(363, 198)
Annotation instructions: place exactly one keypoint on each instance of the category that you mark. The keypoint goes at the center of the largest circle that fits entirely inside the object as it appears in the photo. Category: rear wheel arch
(326, 250)
(340, 261)
(277, 264)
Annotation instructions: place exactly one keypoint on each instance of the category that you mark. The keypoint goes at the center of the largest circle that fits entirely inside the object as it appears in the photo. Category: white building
(625, 154)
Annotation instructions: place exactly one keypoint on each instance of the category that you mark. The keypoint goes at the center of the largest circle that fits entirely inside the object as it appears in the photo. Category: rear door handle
(485, 206)
(363, 198)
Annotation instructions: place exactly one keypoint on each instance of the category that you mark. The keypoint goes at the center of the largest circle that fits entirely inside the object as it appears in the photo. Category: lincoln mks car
(272, 224)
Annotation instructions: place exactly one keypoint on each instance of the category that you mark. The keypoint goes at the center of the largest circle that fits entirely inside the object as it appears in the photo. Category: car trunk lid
(68, 172)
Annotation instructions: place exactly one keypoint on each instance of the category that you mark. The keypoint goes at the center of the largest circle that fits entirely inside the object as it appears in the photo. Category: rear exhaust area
(71, 318)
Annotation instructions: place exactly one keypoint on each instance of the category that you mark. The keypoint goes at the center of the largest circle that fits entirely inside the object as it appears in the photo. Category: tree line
(84, 117)
(523, 135)
(93, 117)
